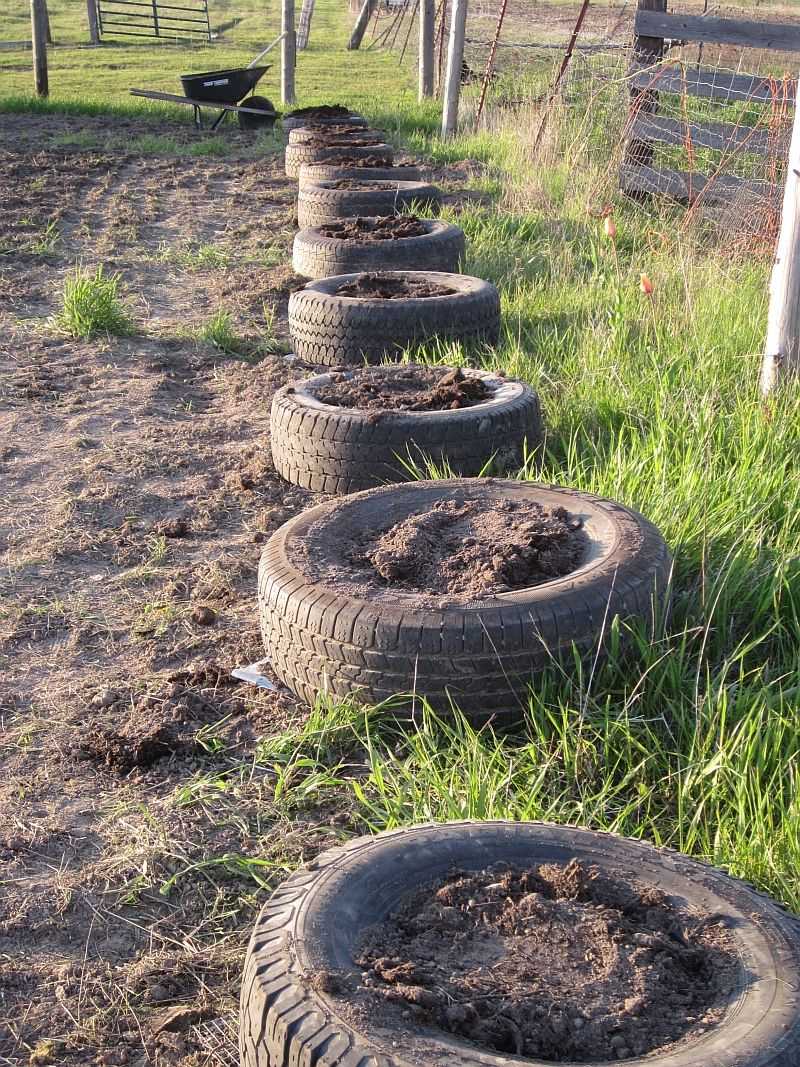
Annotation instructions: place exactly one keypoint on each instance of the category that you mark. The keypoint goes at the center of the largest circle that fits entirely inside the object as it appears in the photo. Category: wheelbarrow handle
(267, 49)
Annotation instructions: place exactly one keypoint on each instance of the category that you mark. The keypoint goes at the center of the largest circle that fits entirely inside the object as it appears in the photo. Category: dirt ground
(139, 832)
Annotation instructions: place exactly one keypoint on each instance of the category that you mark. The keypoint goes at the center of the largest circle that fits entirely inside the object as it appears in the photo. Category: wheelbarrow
(226, 90)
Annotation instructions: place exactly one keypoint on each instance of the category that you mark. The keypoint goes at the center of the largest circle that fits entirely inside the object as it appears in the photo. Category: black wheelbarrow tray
(222, 89)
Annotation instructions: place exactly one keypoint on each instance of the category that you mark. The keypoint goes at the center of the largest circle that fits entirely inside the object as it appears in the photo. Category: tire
(311, 924)
(441, 249)
(321, 172)
(298, 154)
(479, 655)
(330, 330)
(306, 135)
(343, 450)
(321, 202)
(295, 122)
(256, 122)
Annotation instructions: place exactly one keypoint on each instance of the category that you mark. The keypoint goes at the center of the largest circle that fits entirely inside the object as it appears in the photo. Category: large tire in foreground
(322, 172)
(299, 154)
(330, 131)
(441, 248)
(480, 655)
(342, 450)
(311, 926)
(330, 330)
(321, 202)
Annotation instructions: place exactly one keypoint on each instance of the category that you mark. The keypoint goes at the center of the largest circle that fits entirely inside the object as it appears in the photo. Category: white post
(455, 62)
(782, 349)
(288, 51)
(427, 31)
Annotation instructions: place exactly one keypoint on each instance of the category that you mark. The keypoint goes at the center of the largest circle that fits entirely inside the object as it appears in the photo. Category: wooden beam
(288, 51)
(782, 348)
(427, 32)
(720, 136)
(455, 61)
(688, 188)
(360, 28)
(39, 42)
(773, 35)
(714, 85)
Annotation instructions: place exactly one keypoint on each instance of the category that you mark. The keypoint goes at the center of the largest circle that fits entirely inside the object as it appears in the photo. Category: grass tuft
(91, 305)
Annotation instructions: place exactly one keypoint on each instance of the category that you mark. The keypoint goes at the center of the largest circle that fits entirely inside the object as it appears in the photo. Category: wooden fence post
(427, 29)
(455, 62)
(782, 349)
(39, 45)
(288, 51)
(91, 15)
(647, 51)
(360, 28)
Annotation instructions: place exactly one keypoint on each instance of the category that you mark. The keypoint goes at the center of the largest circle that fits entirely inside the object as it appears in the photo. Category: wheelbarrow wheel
(256, 122)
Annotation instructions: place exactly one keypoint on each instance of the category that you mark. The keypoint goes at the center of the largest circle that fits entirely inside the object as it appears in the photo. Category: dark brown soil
(321, 111)
(336, 129)
(471, 551)
(387, 286)
(406, 389)
(362, 187)
(385, 228)
(362, 140)
(557, 963)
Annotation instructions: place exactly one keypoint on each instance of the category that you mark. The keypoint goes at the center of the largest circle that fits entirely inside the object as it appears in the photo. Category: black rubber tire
(321, 172)
(311, 925)
(480, 655)
(298, 154)
(329, 330)
(254, 122)
(321, 202)
(292, 122)
(343, 450)
(442, 248)
(306, 135)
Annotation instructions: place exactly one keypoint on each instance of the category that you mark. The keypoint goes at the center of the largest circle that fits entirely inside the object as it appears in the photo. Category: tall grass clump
(91, 305)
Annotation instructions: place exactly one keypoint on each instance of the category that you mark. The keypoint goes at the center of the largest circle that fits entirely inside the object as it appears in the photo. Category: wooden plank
(688, 188)
(720, 136)
(783, 37)
(714, 84)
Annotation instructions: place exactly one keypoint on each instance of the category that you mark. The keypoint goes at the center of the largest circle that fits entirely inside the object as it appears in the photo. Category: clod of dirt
(345, 160)
(469, 550)
(384, 228)
(173, 528)
(361, 187)
(320, 111)
(139, 743)
(387, 286)
(409, 388)
(204, 615)
(556, 963)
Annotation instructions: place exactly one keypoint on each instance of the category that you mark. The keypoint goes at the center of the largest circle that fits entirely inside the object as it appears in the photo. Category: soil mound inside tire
(384, 228)
(334, 129)
(380, 286)
(470, 550)
(409, 389)
(557, 963)
(320, 111)
(345, 160)
(361, 187)
(322, 140)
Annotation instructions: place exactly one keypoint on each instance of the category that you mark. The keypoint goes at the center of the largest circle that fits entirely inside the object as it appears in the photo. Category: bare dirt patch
(408, 389)
(558, 963)
(388, 286)
(384, 228)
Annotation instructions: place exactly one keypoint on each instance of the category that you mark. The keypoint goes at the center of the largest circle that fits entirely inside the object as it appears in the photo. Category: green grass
(91, 305)
(691, 740)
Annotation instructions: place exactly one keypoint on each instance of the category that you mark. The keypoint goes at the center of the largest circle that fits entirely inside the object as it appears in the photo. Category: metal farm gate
(153, 18)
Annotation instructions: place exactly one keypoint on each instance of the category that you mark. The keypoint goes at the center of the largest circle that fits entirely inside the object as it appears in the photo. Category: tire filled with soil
(398, 242)
(351, 430)
(323, 202)
(322, 114)
(357, 318)
(457, 591)
(347, 166)
(370, 148)
(335, 133)
(468, 943)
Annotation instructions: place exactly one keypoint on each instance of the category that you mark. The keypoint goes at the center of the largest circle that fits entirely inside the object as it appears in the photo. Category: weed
(219, 331)
(91, 305)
